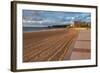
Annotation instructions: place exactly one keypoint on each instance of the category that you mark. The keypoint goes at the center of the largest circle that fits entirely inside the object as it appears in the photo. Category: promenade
(82, 47)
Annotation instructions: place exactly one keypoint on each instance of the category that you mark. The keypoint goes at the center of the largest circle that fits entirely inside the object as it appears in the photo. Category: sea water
(32, 29)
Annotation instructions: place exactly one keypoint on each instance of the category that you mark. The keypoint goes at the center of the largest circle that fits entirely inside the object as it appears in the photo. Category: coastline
(43, 30)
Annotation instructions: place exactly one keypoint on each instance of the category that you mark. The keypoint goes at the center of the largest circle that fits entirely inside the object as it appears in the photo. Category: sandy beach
(50, 45)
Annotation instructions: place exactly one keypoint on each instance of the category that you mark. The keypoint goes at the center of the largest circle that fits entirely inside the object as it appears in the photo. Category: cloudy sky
(39, 18)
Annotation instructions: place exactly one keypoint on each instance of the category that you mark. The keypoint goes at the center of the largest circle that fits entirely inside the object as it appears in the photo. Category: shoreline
(54, 29)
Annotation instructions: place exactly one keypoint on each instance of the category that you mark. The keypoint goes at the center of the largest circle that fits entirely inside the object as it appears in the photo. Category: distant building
(82, 24)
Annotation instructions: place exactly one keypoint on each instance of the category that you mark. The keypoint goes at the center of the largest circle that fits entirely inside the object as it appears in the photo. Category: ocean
(32, 29)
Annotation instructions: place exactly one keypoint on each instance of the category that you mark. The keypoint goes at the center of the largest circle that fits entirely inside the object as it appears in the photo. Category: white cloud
(43, 23)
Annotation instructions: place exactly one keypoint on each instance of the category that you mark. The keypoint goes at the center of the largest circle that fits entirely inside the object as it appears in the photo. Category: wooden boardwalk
(50, 45)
